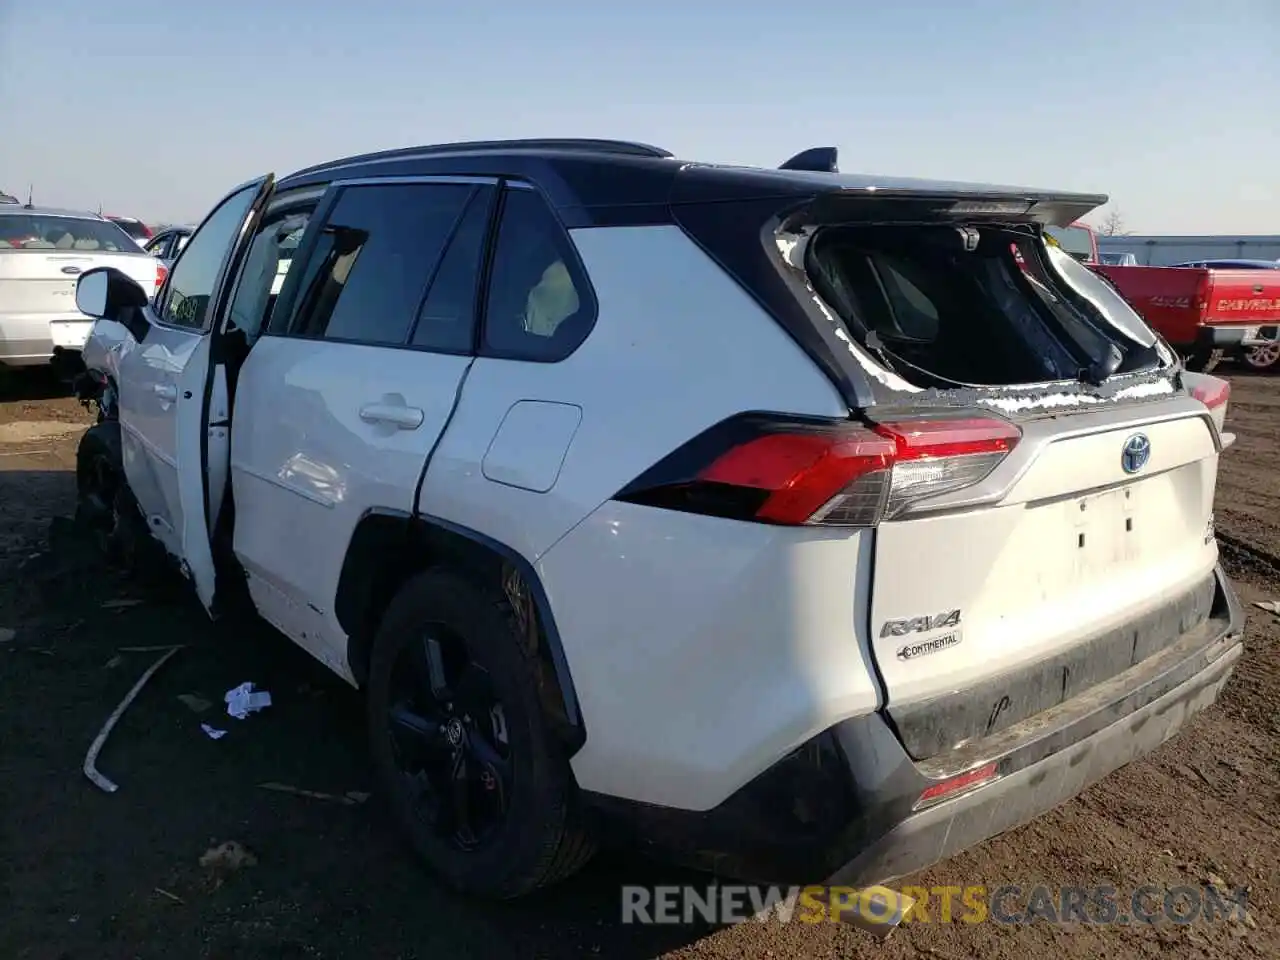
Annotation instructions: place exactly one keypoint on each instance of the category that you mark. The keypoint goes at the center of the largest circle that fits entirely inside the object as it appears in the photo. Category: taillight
(830, 473)
(1213, 392)
(161, 272)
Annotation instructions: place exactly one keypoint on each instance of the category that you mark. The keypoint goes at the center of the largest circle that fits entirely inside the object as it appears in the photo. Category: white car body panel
(307, 465)
(150, 381)
(1075, 548)
(38, 299)
(677, 347)
(703, 649)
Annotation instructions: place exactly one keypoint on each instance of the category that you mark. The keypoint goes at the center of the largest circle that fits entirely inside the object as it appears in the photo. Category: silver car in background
(42, 252)
(167, 243)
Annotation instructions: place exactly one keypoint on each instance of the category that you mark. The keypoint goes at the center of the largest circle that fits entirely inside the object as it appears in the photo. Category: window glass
(190, 285)
(539, 306)
(374, 257)
(47, 232)
(265, 268)
(1101, 295)
(447, 319)
(914, 314)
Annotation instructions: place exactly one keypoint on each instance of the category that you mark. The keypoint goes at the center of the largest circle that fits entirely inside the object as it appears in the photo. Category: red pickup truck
(1203, 313)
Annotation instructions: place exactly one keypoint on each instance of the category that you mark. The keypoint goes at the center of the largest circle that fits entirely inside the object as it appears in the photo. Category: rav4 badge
(906, 625)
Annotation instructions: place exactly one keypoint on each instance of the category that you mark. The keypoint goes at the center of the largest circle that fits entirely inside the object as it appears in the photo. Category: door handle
(165, 391)
(402, 418)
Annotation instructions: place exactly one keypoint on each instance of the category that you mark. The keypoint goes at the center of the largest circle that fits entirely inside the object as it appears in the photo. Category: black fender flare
(397, 539)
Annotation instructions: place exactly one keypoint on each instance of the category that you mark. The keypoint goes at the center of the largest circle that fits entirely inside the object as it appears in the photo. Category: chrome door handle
(402, 418)
(165, 391)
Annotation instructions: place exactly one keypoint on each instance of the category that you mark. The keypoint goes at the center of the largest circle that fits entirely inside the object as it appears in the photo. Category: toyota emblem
(1135, 453)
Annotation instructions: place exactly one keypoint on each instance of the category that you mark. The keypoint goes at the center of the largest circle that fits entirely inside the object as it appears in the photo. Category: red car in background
(134, 227)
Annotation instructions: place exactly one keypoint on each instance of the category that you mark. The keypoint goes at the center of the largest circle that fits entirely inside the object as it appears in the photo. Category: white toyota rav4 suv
(802, 526)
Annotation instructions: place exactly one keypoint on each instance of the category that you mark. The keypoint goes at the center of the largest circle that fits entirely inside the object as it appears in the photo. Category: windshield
(1077, 241)
(39, 232)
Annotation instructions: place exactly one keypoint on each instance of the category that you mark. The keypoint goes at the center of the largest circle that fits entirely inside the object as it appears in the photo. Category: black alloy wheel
(449, 739)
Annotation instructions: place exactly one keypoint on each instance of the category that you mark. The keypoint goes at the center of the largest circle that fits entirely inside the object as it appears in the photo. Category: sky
(158, 109)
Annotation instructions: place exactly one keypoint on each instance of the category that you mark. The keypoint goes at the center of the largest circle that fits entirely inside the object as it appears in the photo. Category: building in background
(1166, 251)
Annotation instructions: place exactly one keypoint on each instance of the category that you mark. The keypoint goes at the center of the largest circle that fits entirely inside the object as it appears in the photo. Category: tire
(1204, 360)
(105, 508)
(1262, 358)
(539, 837)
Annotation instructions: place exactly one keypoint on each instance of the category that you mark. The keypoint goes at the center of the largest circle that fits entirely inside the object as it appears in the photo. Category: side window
(540, 306)
(265, 267)
(446, 321)
(159, 246)
(190, 285)
(914, 314)
(373, 259)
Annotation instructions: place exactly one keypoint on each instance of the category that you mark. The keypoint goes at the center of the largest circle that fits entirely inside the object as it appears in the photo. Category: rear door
(156, 389)
(344, 397)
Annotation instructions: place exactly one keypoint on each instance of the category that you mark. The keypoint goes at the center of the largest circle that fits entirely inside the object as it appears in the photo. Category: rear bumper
(1237, 336)
(841, 807)
(29, 340)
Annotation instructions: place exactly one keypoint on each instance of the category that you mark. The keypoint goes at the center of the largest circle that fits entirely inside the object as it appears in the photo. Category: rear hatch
(1043, 517)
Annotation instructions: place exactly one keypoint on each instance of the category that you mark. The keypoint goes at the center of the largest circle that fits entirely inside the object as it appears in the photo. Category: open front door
(203, 430)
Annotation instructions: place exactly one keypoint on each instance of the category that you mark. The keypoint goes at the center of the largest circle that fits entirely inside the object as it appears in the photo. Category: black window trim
(577, 271)
(284, 202)
(331, 192)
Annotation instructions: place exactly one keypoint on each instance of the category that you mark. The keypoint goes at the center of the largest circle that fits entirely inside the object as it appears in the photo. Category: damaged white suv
(800, 525)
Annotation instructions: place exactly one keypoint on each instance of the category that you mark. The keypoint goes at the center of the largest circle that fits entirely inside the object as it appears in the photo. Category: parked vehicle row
(42, 253)
(710, 506)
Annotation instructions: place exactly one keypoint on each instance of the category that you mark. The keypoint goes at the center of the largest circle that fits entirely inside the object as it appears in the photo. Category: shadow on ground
(36, 383)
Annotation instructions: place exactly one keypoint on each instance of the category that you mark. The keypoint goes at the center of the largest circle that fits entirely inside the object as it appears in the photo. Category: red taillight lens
(831, 473)
(802, 474)
(954, 786)
(1213, 392)
(161, 272)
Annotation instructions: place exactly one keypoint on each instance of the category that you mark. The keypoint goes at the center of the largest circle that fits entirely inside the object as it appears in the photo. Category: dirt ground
(85, 874)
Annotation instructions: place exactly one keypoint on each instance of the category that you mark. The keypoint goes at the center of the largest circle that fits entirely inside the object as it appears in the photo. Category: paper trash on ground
(244, 700)
(213, 732)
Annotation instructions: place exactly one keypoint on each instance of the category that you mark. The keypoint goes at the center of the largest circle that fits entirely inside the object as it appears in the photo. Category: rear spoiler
(871, 204)
(820, 194)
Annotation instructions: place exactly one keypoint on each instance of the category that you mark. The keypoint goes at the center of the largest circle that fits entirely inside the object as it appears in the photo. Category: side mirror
(106, 293)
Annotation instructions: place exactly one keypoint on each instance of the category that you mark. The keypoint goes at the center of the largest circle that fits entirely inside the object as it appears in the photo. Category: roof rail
(615, 147)
(819, 159)
(623, 147)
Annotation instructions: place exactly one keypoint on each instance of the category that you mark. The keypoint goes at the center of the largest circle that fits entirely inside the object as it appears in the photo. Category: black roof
(618, 181)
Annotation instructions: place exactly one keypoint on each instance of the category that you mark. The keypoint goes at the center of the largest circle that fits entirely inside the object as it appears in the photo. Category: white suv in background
(803, 526)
